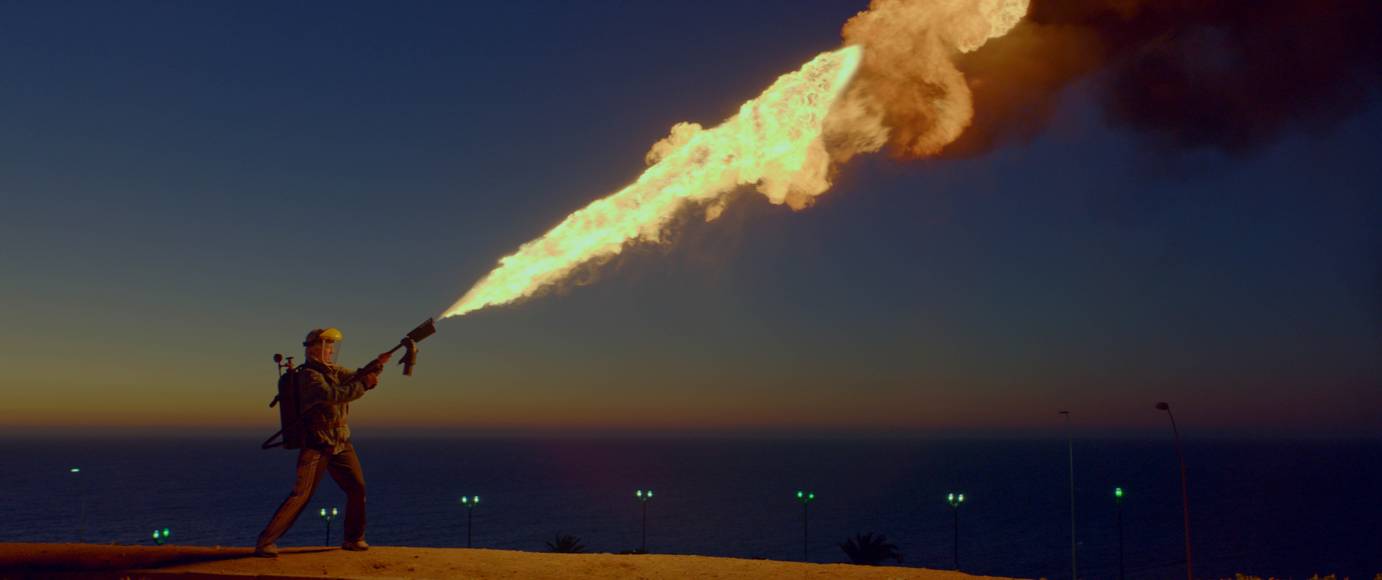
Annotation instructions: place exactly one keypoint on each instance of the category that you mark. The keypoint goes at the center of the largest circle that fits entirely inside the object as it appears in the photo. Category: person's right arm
(315, 388)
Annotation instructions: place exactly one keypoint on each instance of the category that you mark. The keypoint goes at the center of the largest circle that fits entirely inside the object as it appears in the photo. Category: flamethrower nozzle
(423, 330)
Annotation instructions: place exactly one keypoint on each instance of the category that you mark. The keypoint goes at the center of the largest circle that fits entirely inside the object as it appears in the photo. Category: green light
(1118, 493)
(962, 498)
(165, 532)
(323, 512)
(75, 470)
(334, 511)
(799, 495)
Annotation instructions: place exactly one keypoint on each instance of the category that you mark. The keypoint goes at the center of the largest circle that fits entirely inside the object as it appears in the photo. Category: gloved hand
(370, 373)
(375, 366)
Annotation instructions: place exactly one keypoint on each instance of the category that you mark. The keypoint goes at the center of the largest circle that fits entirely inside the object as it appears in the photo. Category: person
(325, 391)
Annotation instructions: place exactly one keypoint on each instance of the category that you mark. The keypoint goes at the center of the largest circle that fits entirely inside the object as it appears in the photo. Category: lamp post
(805, 497)
(81, 504)
(643, 497)
(1070, 450)
(1184, 494)
(1118, 509)
(161, 536)
(327, 516)
(469, 502)
(955, 499)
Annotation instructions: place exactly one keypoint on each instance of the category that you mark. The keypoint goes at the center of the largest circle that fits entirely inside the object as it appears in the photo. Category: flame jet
(909, 93)
(773, 143)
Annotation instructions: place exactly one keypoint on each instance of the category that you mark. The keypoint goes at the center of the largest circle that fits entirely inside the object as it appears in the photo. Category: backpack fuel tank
(289, 436)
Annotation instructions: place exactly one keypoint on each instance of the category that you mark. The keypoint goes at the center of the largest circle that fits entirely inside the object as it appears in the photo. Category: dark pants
(312, 463)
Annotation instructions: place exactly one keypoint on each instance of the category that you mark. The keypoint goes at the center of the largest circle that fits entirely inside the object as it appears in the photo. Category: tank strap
(270, 444)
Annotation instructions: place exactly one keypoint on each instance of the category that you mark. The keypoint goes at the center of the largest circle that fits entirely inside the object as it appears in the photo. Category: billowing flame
(785, 141)
(909, 92)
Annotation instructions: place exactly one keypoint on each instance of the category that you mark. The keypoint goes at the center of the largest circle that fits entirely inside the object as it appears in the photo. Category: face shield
(330, 352)
(324, 351)
(324, 345)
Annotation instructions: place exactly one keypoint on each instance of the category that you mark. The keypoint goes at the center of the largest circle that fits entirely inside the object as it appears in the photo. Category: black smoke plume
(1226, 75)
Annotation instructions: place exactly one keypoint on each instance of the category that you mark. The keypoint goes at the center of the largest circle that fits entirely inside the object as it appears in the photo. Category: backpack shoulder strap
(270, 443)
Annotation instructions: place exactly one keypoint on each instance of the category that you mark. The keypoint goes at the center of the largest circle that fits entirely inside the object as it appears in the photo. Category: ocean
(1279, 507)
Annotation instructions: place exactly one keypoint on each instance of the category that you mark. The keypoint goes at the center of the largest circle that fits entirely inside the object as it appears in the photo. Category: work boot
(266, 551)
(356, 546)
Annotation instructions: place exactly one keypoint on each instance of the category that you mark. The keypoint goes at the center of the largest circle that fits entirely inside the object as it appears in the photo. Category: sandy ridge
(22, 561)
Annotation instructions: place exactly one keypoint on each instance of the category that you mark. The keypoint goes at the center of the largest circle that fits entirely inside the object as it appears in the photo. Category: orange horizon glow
(770, 409)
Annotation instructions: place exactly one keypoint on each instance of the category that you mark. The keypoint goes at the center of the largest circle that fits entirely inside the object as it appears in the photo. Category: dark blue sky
(185, 189)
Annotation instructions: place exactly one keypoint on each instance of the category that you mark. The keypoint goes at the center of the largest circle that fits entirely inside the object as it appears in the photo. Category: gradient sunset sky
(186, 189)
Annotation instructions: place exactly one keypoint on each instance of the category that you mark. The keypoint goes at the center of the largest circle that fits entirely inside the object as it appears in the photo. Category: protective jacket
(325, 393)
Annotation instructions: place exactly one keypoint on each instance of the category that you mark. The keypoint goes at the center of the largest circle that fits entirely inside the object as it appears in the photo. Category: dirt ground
(190, 562)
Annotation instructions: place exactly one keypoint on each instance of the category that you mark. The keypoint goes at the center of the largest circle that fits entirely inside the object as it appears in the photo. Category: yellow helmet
(329, 334)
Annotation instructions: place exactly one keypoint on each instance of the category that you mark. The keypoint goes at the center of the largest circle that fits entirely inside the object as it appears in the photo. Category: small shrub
(870, 549)
(566, 544)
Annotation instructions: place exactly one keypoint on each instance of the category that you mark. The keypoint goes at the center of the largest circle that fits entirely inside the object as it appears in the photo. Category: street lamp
(1118, 502)
(327, 516)
(469, 502)
(805, 497)
(955, 499)
(81, 504)
(161, 536)
(1070, 450)
(643, 497)
(1184, 494)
